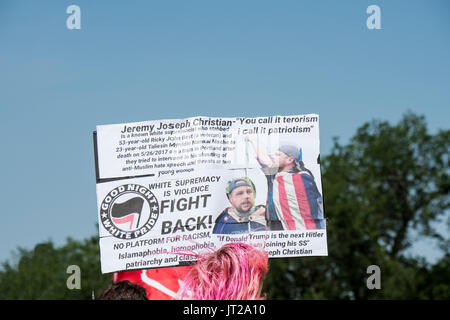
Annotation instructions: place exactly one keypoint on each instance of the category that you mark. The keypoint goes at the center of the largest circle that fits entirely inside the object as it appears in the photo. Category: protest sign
(170, 189)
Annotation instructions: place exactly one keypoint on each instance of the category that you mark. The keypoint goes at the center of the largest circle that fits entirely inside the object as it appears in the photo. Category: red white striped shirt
(291, 201)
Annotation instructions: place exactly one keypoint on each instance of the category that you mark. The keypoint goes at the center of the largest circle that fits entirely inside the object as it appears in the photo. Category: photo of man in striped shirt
(293, 200)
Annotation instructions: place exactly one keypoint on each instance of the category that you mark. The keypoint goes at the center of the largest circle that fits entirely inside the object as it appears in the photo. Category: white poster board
(170, 189)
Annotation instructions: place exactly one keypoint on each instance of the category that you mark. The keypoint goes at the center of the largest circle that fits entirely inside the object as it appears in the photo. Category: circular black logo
(129, 211)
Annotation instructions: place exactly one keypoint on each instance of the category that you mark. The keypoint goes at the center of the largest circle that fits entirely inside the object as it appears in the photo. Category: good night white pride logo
(129, 211)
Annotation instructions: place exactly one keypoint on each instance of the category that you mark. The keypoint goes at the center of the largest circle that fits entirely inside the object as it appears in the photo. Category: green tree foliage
(389, 183)
(41, 273)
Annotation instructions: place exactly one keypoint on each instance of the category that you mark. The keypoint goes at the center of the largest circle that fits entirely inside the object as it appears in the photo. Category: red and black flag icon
(127, 212)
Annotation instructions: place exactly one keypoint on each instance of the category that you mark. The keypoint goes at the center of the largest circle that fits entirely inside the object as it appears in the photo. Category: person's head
(124, 290)
(241, 194)
(236, 271)
(286, 158)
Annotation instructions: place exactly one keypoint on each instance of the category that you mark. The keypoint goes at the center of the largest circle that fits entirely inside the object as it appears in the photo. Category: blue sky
(147, 60)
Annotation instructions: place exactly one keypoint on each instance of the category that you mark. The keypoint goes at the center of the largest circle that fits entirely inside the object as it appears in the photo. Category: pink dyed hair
(236, 271)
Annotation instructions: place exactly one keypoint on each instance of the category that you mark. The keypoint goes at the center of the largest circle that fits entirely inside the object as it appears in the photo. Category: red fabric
(303, 202)
(284, 204)
(167, 277)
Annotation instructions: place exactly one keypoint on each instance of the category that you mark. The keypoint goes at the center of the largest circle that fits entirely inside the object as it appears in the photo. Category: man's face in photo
(281, 160)
(242, 198)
